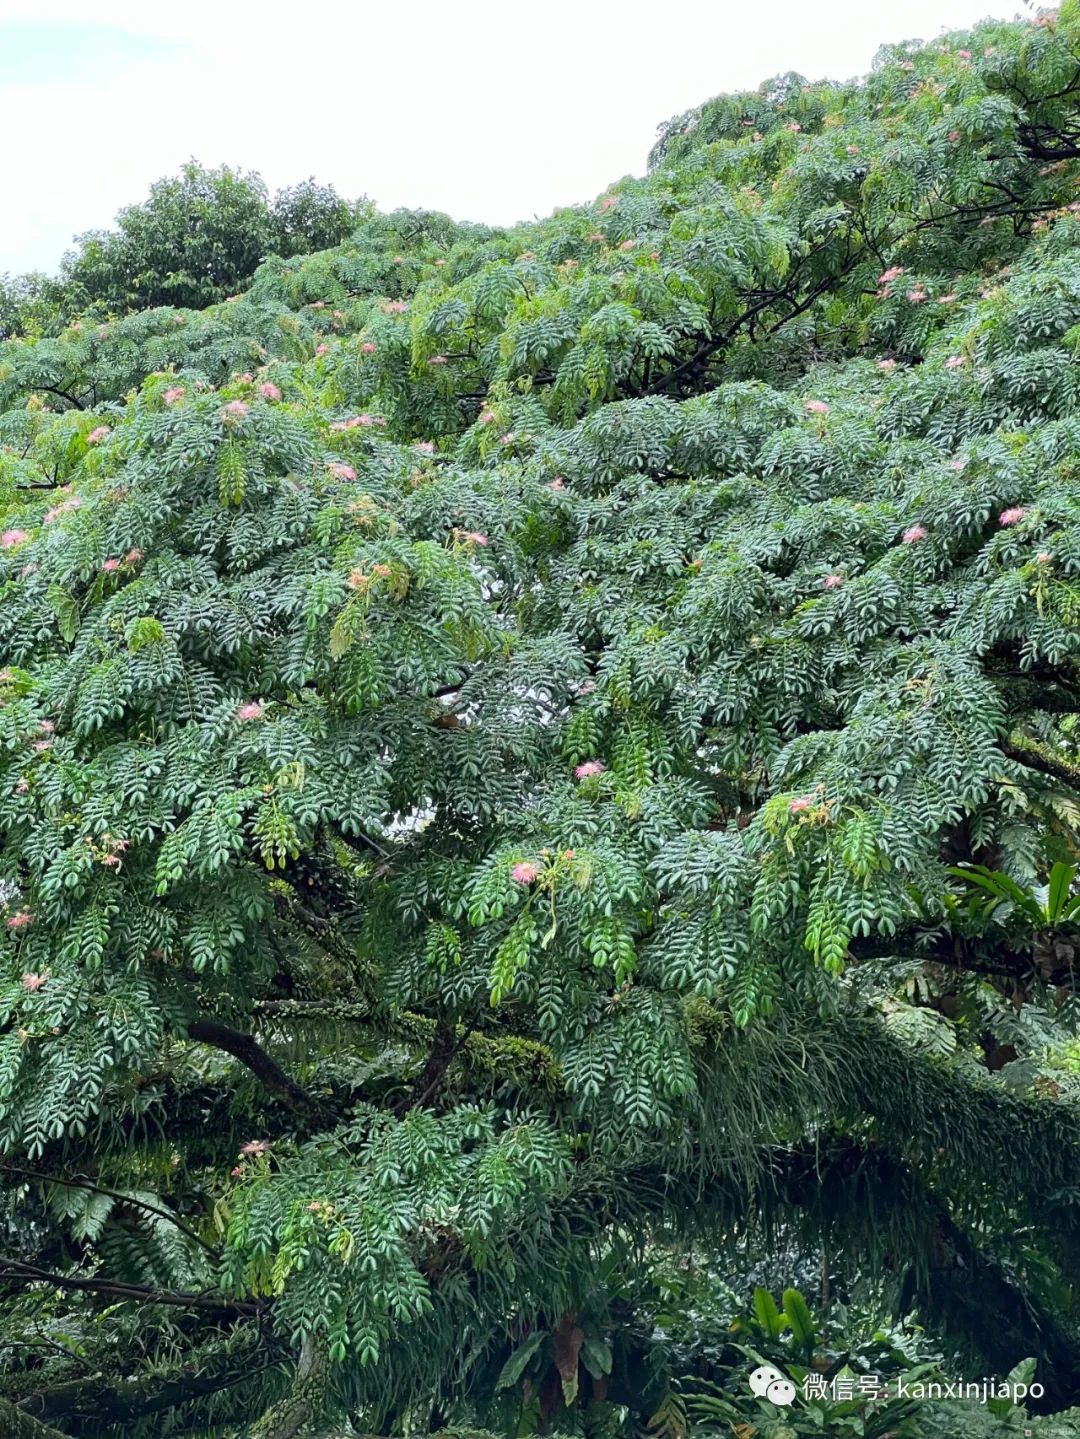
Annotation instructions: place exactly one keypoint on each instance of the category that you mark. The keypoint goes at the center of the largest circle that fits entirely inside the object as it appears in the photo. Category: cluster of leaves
(522, 748)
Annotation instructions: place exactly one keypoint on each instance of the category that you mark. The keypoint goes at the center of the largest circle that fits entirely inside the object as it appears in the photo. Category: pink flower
(954, 135)
(437, 360)
(966, 54)
(322, 349)
(23, 787)
(133, 557)
(956, 362)
(524, 873)
(95, 437)
(255, 1146)
(269, 391)
(110, 565)
(793, 126)
(20, 920)
(425, 447)
(172, 394)
(381, 572)
(1012, 516)
(47, 727)
(33, 982)
(886, 365)
(318, 304)
(853, 149)
(914, 534)
(237, 408)
(817, 407)
(396, 307)
(249, 711)
(343, 472)
(475, 537)
(907, 64)
(947, 299)
(917, 297)
(368, 347)
(10, 538)
(609, 201)
(558, 483)
(41, 745)
(596, 238)
(508, 438)
(486, 417)
(399, 259)
(627, 244)
(590, 768)
(1043, 557)
(357, 580)
(236, 1171)
(832, 582)
(798, 806)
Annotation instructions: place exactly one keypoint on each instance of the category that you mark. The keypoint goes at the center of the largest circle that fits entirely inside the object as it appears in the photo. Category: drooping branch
(1036, 755)
(250, 1053)
(14, 1271)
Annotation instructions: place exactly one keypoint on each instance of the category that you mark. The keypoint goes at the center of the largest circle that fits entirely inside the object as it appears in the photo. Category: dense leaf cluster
(528, 754)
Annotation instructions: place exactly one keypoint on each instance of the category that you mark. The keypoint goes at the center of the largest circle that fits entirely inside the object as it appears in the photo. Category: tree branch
(270, 1074)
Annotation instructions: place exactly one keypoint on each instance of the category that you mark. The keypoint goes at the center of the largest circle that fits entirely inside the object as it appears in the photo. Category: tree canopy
(539, 772)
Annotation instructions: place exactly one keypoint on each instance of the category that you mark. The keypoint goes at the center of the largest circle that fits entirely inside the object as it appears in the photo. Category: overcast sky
(492, 110)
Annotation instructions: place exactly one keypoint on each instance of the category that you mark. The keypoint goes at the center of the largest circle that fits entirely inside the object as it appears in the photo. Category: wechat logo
(769, 1383)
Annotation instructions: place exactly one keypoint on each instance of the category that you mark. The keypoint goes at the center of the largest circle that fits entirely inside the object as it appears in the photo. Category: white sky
(488, 109)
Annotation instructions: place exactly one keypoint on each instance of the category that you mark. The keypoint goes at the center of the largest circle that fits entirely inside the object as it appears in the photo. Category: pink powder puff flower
(1044, 557)
(133, 557)
(112, 860)
(41, 745)
(399, 259)
(255, 1146)
(381, 572)
(793, 126)
(237, 408)
(396, 307)
(964, 54)
(368, 347)
(608, 202)
(853, 149)
(173, 393)
(590, 768)
(357, 580)
(20, 920)
(318, 304)
(558, 483)
(33, 982)
(799, 806)
(525, 873)
(956, 362)
(110, 565)
(914, 533)
(23, 787)
(437, 360)
(425, 447)
(10, 538)
(917, 297)
(526, 255)
(508, 438)
(832, 582)
(475, 537)
(244, 379)
(627, 244)
(236, 1171)
(886, 365)
(269, 391)
(596, 238)
(947, 299)
(95, 437)
(249, 711)
(907, 64)
(343, 472)
(47, 727)
(1012, 516)
(954, 135)
(322, 349)
(486, 417)
(817, 407)
(439, 264)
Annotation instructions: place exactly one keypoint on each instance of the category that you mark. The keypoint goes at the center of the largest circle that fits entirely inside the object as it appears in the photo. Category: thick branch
(14, 1271)
(270, 1074)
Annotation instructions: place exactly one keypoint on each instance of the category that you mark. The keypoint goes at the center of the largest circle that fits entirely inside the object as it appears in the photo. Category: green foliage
(527, 756)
